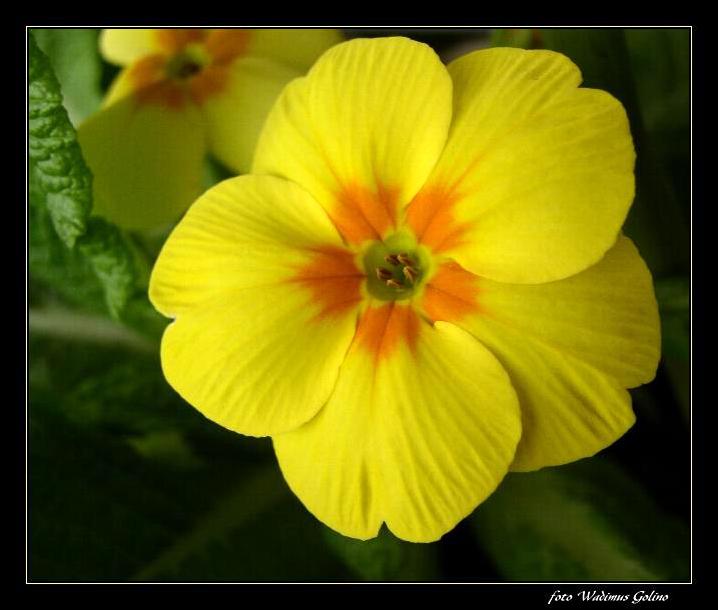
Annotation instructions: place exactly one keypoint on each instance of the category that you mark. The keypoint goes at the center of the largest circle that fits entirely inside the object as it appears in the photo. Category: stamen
(188, 69)
(395, 267)
(383, 274)
(409, 274)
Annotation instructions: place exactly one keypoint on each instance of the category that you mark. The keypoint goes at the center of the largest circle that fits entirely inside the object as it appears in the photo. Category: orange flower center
(191, 66)
(188, 62)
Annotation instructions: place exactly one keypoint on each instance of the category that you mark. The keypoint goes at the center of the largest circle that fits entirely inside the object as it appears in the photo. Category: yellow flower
(422, 285)
(184, 92)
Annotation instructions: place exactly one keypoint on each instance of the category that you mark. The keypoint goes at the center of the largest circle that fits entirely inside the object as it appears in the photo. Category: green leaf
(255, 494)
(585, 521)
(673, 303)
(53, 267)
(673, 295)
(98, 510)
(75, 58)
(385, 558)
(100, 376)
(64, 180)
(100, 272)
(167, 447)
(239, 539)
(123, 471)
(61, 183)
(660, 59)
(111, 258)
(143, 317)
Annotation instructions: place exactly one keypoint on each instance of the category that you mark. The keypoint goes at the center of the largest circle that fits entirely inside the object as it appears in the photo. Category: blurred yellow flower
(421, 286)
(181, 93)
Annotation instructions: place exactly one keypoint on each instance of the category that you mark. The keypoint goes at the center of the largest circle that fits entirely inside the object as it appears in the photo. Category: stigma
(395, 267)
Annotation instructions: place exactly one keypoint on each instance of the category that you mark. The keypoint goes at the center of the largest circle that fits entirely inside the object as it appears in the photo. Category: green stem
(259, 492)
(73, 326)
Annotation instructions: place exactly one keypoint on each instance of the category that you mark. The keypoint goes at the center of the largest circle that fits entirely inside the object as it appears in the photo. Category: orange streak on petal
(383, 329)
(333, 280)
(208, 82)
(431, 214)
(172, 41)
(165, 93)
(452, 294)
(147, 71)
(361, 214)
(151, 85)
(226, 45)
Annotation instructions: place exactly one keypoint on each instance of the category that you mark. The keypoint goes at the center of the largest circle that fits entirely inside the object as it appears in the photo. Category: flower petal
(146, 161)
(138, 79)
(298, 48)
(124, 46)
(235, 114)
(362, 131)
(537, 175)
(245, 232)
(255, 347)
(417, 439)
(571, 347)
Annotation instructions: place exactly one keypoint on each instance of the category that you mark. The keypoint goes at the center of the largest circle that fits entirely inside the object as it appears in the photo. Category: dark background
(128, 482)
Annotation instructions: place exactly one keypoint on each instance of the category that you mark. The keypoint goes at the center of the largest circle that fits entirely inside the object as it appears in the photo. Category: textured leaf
(111, 258)
(61, 183)
(586, 521)
(75, 58)
(64, 272)
(103, 382)
(100, 272)
(63, 178)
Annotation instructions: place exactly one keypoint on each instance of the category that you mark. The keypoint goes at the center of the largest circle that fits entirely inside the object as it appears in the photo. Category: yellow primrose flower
(181, 93)
(422, 285)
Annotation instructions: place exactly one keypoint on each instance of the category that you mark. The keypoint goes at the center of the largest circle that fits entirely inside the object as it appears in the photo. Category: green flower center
(395, 267)
(188, 62)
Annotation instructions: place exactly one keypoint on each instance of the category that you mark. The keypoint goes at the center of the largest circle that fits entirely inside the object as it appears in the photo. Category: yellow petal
(124, 46)
(607, 315)
(293, 47)
(416, 437)
(143, 79)
(571, 347)
(245, 232)
(146, 161)
(256, 345)
(362, 131)
(236, 114)
(123, 85)
(537, 175)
